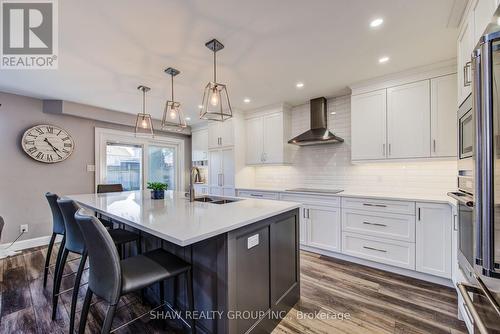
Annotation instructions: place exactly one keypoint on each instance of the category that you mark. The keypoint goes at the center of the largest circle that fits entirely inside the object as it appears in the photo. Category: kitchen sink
(215, 200)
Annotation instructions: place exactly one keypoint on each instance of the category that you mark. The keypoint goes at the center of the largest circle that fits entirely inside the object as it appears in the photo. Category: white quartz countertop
(415, 197)
(177, 220)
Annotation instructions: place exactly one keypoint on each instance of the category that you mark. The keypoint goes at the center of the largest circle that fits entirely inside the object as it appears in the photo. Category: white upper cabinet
(483, 13)
(368, 125)
(443, 116)
(199, 145)
(408, 120)
(464, 49)
(255, 141)
(220, 134)
(475, 20)
(267, 133)
(433, 239)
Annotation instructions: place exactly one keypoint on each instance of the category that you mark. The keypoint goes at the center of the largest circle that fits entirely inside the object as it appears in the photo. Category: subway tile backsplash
(329, 166)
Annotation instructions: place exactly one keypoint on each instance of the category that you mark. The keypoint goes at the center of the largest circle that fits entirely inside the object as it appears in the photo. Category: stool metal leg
(47, 259)
(189, 282)
(57, 284)
(58, 259)
(76, 289)
(108, 321)
(85, 312)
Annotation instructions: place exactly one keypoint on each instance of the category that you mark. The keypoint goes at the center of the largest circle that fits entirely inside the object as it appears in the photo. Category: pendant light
(144, 123)
(216, 105)
(173, 117)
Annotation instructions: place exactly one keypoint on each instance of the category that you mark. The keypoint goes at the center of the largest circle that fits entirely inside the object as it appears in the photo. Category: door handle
(419, 214)
(383, 150)
(389, 149)
(377, 205)
(375, 224)
(467, 79)
(375, 249)
(308, 214)
(434, 145)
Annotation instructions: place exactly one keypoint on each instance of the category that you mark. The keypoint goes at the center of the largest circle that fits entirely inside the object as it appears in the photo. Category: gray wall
(24, 181)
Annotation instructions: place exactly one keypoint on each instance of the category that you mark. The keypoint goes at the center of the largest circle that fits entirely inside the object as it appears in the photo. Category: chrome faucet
(194, 171)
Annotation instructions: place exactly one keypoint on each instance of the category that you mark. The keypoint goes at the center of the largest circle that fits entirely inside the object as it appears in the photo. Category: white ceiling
(107, 48)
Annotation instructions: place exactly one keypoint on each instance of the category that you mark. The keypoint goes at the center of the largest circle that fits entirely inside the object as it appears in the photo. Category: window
(124, 165)
(162, 165)
(132, 161)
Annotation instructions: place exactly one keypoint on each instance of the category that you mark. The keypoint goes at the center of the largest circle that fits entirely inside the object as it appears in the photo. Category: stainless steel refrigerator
(482, 296)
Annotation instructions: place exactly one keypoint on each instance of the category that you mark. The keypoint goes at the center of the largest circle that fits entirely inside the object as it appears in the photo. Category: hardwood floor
(337, 297)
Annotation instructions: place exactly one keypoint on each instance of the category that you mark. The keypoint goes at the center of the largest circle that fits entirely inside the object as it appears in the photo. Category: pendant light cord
(172, 87)
(215, 68)
(143, 103)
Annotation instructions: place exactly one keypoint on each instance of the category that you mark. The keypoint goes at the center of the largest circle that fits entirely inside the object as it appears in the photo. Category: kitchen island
(244, 253)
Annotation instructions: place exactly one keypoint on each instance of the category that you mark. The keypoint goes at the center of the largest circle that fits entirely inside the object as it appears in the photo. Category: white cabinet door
(215, 168)
(199, 145)
(465, 47)
(227, 168)
(433, 239)
(213, 134)
(408, 120)
(273, 138)
(368, 125)
(254, 140)
(483, 13)
(444, 116)
(324, 228)
(226, 133)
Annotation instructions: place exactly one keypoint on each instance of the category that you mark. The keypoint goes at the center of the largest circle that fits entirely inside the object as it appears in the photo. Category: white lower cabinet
(433, 239)
(392, 252)
(324, 228)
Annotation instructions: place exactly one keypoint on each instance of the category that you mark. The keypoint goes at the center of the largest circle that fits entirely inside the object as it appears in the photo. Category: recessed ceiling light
(200, 106)
(188, 118)
(299, 84)
(246, 100)
(383, 60)
(376, 23)
(333, 113)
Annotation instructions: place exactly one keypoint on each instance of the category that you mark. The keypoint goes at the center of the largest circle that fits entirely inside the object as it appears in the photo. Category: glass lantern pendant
(144, 123)
(173, 117)
(216, 105)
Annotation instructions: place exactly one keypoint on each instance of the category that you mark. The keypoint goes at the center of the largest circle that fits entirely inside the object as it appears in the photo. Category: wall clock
(47, 143)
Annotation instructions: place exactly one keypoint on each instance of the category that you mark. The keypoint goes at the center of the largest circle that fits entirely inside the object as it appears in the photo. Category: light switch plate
(252, 241)
(90, 168)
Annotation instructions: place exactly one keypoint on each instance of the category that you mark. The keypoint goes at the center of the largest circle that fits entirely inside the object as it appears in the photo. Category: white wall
(329, 166)
(24, 181)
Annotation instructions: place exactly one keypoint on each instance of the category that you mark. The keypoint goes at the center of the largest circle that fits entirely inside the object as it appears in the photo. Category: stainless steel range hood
(319, 133)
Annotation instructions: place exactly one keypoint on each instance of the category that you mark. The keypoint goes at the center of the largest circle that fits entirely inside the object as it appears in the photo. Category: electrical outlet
(23, 228)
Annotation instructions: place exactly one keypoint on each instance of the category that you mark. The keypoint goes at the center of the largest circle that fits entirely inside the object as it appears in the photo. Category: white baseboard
(381, 266)
(29, 243)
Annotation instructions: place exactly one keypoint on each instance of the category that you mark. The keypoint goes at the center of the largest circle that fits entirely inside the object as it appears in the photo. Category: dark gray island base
(245, 281)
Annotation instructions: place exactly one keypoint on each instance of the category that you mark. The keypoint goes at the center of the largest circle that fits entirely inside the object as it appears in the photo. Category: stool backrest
(74, 237)
(105, 278)
(57, 218)
(109, 188)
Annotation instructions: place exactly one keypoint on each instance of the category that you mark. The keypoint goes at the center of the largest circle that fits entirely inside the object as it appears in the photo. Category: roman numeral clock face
(47, 143)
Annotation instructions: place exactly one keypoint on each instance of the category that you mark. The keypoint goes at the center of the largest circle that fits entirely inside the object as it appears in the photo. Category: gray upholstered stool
(110, 278)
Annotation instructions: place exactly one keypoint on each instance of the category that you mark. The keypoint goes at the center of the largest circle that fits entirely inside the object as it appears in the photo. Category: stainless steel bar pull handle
(374, 224)
(478, 322)
(256, 195)
(383, 150)
(376, 205)
(389, 149)
(375, 249)
(434, 145)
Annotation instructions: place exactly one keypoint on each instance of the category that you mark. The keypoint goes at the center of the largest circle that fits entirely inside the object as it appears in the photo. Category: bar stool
(75, 243)
(57, 229)
(108, 188)
(110, 278)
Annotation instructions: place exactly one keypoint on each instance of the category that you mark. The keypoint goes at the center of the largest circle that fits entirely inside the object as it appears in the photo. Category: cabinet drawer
(258, 194)
(379, 205)
(331, 201)
(391, 252)
(379, 224)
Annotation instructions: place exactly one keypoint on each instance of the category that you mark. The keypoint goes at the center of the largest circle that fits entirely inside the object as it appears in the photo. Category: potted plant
(157, 189)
